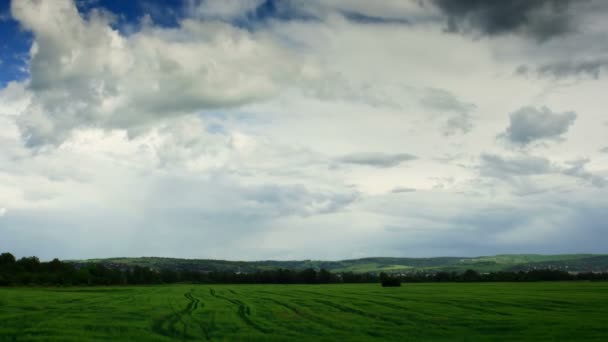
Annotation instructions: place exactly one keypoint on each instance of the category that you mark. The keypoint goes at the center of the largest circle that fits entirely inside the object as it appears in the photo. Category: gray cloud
(296, 200)
(604, 149)
(512, 168)
(381, 160)
(530, 124)
(539, 19)
(493, 165)
(544, 223)
(369, 19)
(583, 68)
(459, 120)
(400, 189)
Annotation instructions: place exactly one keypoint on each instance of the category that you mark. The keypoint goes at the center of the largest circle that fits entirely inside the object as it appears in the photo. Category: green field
(564, 311)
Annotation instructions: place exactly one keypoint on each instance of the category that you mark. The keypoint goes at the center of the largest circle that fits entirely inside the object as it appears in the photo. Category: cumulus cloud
(375, 159)
(542, 19)
(529, 124)
(86, 74)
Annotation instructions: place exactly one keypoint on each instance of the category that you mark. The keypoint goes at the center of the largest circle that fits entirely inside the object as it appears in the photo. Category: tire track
(243, 311)
(176, 316)
(311, 318)
(348, 309)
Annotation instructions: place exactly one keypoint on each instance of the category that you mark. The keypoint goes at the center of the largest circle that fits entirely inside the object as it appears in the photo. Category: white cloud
(85, 74)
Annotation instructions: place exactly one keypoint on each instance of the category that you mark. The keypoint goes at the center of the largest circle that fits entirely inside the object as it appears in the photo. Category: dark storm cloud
(586, 68)
(539, 19)
(381, 160)
(529, 124)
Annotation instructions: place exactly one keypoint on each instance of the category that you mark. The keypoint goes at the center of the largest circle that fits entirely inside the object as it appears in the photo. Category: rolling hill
(510, 262)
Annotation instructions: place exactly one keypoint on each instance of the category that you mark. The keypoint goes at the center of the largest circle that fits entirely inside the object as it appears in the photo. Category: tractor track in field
(443, 302)
(305, 316)
(177, 316)
(342, 307)
(404, 310)
(452, 304)
(348, 309)
(243, 311)
(294, 308)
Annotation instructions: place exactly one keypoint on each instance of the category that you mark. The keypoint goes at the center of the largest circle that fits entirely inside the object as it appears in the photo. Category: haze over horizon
(293, 129)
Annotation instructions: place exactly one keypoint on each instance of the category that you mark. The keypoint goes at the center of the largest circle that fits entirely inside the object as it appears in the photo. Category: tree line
(31, 271)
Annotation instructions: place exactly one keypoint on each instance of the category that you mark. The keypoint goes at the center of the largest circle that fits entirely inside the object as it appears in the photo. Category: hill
(511, 262)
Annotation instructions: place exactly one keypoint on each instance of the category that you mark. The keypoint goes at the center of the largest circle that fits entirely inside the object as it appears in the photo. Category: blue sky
(320, 129)
(15, 46)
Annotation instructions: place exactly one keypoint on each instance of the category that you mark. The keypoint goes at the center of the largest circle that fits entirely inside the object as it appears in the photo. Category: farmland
(353, 312)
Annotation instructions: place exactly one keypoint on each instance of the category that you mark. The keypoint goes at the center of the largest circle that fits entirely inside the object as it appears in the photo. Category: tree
(389, 280)
(29, 264)
(7, 259)
(324, 276)
(309, 276)
(470, 275)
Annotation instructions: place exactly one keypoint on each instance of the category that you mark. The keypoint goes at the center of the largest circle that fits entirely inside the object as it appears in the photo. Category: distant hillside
(514, 262)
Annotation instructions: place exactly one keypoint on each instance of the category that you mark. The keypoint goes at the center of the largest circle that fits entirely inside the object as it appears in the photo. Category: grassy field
(564, 311)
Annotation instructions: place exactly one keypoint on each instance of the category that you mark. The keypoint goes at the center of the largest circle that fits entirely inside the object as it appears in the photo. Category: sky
(303, 129)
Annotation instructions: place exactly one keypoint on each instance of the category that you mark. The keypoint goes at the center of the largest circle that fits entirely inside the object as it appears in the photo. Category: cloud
(604, 149)
(2, 211)
(290, 200)
(539, 19)
(576, 168)
(518, 167)
(493, 165)
(373, 159)
(86, 74)
(459, 119)
(399, 190)
(591, 68)
(222, 9)
(367, 19)
(529, 124)
(232, 133)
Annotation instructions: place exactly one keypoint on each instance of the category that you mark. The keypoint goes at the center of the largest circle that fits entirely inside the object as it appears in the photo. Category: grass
(563, 311)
